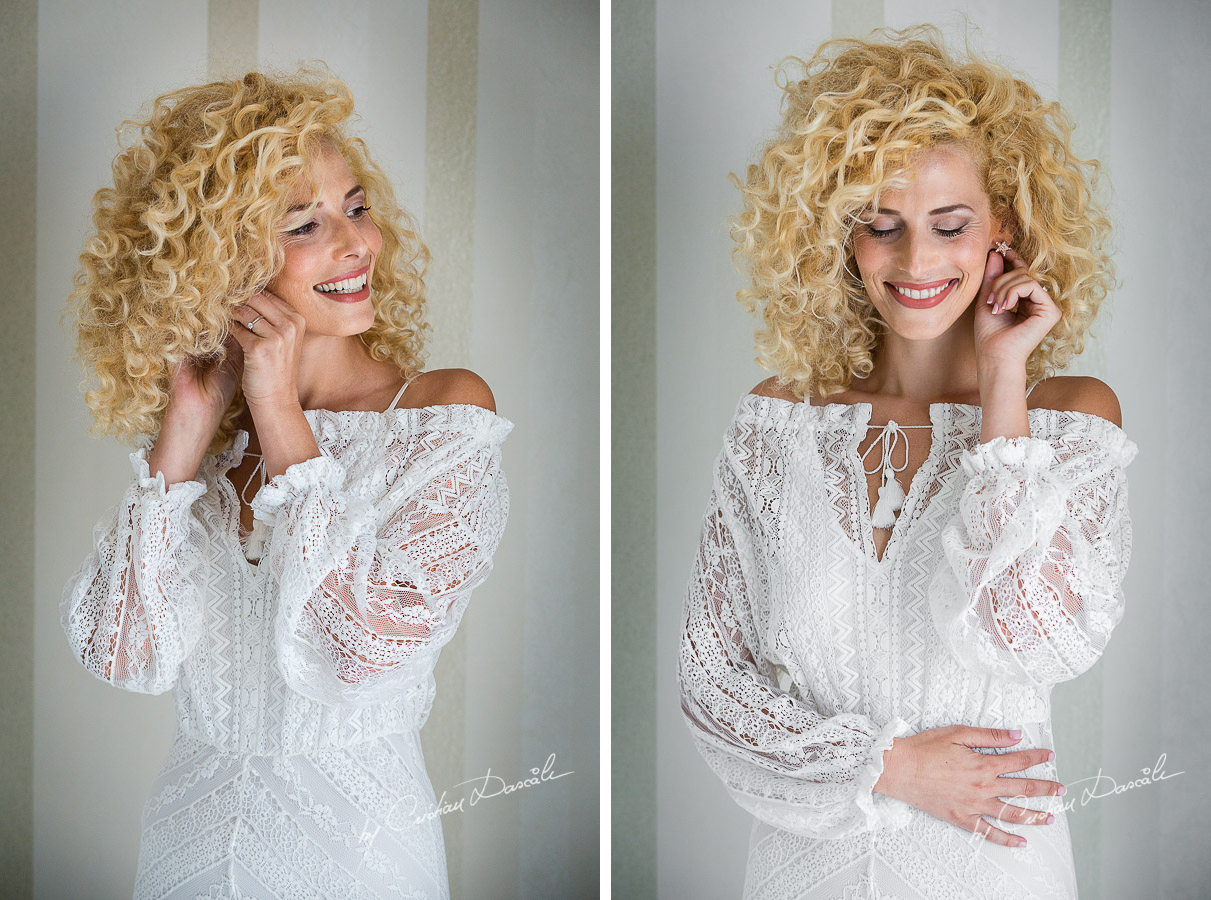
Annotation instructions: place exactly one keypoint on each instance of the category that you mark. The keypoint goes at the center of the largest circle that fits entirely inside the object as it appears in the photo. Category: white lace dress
(301, 684)
(803, 655)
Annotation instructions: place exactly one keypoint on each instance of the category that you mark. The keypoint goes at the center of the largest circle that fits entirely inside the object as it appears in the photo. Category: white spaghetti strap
(401, 392)
(1032, 387)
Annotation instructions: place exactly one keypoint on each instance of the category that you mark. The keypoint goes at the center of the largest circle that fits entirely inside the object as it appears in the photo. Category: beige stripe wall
(450, 92)
(18, 180)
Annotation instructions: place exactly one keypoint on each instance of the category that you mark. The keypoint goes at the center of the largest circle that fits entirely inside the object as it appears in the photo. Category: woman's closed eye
(888, 232)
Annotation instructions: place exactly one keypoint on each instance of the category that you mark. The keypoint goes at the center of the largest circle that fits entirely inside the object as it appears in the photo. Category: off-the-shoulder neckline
(240, 439)
(407, 409)
(790, 404)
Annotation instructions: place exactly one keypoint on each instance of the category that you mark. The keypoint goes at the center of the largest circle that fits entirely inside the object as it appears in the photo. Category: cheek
(374, 238)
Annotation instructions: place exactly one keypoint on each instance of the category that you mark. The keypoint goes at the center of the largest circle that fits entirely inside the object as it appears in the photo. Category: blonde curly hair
(850, 128)
(191, 230)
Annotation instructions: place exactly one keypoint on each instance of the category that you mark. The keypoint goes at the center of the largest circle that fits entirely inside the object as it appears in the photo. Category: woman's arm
(1030, 588)
(780, 759)
(371, 588)
(133, 611)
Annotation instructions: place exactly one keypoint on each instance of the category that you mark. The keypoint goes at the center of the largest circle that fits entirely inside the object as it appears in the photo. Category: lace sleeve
(779, 758)
(132, 612)
(369, 587)
(1030, 589)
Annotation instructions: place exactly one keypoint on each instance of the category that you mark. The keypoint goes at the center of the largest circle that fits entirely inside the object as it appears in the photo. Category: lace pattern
(803, 655)
(300, 684)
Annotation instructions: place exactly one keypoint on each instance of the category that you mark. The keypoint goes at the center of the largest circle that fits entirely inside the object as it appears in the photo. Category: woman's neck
(925, 371)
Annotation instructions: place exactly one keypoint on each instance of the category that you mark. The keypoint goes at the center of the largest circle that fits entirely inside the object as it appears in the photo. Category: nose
(349, 240)
(917, 253)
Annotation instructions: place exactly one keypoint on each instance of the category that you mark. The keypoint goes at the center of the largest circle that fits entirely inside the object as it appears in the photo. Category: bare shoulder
(445, 387)
(1078, 393)
(771, 388)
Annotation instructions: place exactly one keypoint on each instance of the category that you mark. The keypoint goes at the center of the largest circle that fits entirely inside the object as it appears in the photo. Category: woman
(302, 533)
(914, 531)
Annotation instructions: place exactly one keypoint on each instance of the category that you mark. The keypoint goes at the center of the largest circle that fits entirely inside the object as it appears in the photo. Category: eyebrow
(941, 210)
(298, 206)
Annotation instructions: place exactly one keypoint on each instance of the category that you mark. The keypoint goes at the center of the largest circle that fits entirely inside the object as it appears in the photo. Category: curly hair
(850, 128)
(191, 230)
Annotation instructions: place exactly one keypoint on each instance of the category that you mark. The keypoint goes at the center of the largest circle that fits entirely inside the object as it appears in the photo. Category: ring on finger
(253, 322)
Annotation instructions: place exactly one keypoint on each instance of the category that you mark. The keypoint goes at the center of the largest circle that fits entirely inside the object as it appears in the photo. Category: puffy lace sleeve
(1030, 588)
(371, 586)
(779, 758)
(132, 612)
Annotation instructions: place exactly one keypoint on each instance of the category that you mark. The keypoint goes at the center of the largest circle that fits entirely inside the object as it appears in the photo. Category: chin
(920, 327)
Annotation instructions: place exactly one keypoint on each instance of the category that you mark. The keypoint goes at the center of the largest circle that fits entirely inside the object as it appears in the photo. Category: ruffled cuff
(881, 810)
(1029, 453)
(184, 492)
(282, 490)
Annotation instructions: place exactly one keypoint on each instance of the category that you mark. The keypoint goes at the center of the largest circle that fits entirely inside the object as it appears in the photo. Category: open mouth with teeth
(347, 290)
(923, 295)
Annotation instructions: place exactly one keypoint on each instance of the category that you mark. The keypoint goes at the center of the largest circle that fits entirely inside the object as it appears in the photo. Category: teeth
(347, 286)
(923, 295)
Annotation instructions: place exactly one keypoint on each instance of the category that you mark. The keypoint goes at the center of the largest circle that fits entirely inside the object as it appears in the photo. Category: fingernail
(1050, 819)
(1015, 733)
(1021, 842)
(1051, 756)
(1063, 790)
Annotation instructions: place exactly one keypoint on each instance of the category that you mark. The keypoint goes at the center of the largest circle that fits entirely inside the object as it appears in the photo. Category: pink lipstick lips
(348, 280)
(921, 296)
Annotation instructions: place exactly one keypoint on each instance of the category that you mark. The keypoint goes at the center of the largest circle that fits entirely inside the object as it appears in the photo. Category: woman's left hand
(271, 350)
(1013, 311)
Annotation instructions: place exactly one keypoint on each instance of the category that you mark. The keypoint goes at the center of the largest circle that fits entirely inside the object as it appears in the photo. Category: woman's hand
(1013, 312)
(937, 771)
(270, 351)
(203, 389)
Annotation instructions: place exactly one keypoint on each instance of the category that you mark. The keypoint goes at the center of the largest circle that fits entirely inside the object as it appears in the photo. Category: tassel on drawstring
(891, 494)
(255, 542)
(891, 498)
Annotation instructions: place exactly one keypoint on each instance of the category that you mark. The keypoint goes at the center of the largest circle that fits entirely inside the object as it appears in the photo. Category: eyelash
(951, 233)
(306, 228)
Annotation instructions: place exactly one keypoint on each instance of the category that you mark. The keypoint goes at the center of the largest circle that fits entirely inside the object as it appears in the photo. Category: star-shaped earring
(1001, 248)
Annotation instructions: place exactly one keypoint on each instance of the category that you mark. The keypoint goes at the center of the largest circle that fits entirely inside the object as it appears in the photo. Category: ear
(1004, 228)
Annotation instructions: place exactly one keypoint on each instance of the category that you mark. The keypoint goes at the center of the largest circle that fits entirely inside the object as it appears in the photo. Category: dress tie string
(260, 531)
(891, 494)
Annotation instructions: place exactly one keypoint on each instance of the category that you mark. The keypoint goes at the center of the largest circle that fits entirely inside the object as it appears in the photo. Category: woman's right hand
(205, 389)
(937, 771)
(199, 395)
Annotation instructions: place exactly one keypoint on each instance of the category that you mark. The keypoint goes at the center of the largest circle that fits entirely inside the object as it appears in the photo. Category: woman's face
(922, 253)
(330, 254)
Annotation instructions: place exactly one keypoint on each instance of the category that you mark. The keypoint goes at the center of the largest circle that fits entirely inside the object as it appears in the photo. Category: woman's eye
(880, 232)
(358, 211)
(304, 229)
(952, 232)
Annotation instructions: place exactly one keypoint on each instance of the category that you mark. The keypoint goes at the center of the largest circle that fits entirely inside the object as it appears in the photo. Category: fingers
(1013, 786)
(992, 271)
(1019, 760)
(974, 736)
(990, 832)
(1017, 815)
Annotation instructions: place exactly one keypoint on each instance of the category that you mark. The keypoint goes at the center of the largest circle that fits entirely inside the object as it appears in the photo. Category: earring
(1001, 248)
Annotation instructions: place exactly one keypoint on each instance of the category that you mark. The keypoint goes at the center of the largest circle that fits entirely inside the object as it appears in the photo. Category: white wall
(529, 680)
(716, 101)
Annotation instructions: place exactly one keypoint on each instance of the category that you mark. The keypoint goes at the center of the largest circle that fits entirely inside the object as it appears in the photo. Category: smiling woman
(252, 304)
(869, 646)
